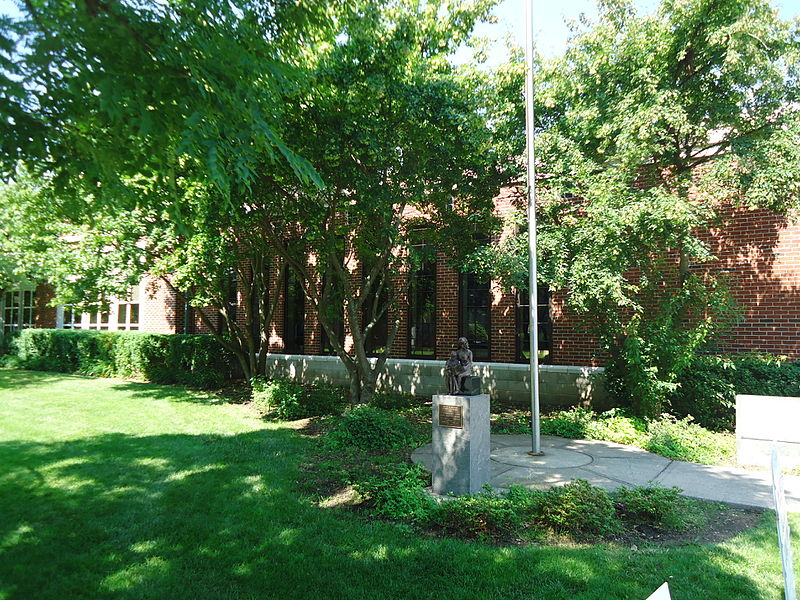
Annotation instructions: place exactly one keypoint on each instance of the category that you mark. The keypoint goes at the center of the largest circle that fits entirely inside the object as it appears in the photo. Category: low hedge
(193, 360)
(708, 388)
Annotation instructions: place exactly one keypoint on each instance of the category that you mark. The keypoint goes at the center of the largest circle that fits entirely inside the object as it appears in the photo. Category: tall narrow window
(19, 309)
(334, 309)
(375, 342)
(332, 302)
(294, 310)
(128, 311)
(545, 325)
(422, 310)
(475, 302)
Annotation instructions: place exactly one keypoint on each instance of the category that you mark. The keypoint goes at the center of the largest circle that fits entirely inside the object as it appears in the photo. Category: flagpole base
(532, 453)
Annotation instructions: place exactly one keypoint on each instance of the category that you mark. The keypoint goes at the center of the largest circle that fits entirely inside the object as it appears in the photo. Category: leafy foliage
(645, 126)
(397, 492)
(289, 401)
(682, 439)
(370, 428)
(580, 508)
(194, 360)
(708, 388)
(657, 505)
(677, 439)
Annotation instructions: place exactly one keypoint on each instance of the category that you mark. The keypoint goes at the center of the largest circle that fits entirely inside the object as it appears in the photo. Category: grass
(120, 490)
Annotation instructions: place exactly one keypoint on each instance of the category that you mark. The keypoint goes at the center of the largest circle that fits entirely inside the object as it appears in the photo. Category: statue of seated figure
(458, 367)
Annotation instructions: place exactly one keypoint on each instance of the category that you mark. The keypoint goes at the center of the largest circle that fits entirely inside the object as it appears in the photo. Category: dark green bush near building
(370, 428)
(708, 388)
(289, 401)
(193, 360)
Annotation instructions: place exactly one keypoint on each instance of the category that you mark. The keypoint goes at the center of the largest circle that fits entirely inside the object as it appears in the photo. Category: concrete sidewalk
(610, 466)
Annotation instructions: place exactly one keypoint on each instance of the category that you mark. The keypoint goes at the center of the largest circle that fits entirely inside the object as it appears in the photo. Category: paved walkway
(610, 466)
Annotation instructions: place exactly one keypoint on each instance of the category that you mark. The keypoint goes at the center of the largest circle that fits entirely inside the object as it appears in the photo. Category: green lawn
(111, 489)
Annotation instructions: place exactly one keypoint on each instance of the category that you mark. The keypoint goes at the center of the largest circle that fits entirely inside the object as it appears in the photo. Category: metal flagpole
(532, 295)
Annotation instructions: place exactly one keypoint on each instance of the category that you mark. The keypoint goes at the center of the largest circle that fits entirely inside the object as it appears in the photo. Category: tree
(405, 152)
(387, 123)
(645, 125)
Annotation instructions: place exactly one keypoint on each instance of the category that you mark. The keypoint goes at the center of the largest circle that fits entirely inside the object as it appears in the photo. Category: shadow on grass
(174, 393)
(12, 378)
(217, 516)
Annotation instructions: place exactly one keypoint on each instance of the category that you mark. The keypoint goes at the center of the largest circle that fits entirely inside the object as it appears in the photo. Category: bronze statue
(458, 367)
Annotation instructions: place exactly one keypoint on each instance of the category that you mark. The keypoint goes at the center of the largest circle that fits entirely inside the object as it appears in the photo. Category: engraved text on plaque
(450, 415)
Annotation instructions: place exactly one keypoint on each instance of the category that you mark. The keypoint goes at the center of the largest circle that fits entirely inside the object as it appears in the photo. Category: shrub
(572, 423)
(193, 360)
(656, 505)
(684, 440)
(370, 428)
(708, 388)
(396, 400)
(580, 508)
(289, 401)
(479, 515)
(397, 492)
(615, 426)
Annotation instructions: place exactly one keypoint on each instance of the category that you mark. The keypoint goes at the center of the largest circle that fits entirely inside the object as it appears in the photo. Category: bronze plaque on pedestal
(451, 415)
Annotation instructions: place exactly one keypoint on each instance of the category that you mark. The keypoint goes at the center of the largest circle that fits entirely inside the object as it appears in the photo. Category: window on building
(422, 310)
(99, 320)
(294, 310)
(128, 311)
(375, 342)
(545, 326)
(19, 309)
(71, 318)
(474, 305)
(332, 303)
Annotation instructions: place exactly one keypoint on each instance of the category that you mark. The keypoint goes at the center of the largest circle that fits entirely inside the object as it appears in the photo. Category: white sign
(661, 593)
(783, 526)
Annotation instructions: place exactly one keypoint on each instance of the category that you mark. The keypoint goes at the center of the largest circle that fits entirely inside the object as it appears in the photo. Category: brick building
(757, 250)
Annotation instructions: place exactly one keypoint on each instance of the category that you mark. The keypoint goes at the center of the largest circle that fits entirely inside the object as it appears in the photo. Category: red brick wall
(160, 311)
(758, 253)
(45, 317)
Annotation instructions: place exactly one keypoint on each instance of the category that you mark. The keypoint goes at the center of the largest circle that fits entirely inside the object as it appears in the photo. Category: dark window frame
(409, 352)
(476, 351)
(289, 277)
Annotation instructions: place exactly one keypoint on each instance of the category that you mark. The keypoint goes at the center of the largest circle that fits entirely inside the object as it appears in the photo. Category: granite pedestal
(461, 446)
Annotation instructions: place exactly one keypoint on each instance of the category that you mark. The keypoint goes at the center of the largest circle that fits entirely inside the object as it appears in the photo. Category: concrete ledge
(763, 420)
(560, 385)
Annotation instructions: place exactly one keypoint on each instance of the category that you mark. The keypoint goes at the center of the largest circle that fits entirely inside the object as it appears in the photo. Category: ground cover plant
(363, 460)
(126, 490)
(678, 439)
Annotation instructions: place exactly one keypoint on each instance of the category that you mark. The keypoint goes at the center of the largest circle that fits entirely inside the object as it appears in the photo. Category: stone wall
(560, 385)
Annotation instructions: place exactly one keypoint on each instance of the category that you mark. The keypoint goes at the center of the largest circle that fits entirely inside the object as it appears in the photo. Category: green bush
(572, 423)
(684, 440)
(580, 508)
(193, 360)
(708, 388)
(656, 505)
(289, 401)
(615, 426)
(370, 428)
(397, 492)
(479, 515)
(396, 400)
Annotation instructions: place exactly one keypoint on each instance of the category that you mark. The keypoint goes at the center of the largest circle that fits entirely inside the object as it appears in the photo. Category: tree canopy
(644, 126)
(205, 195)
